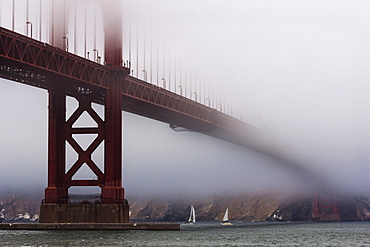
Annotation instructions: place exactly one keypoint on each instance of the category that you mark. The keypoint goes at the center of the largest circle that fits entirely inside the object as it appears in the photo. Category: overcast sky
(302, 66)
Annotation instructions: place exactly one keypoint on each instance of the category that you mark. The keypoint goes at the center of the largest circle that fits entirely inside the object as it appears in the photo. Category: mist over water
(301, 66)
(205, 234)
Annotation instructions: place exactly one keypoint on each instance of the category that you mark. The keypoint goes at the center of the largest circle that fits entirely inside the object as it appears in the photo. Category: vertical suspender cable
(180, 85)
(52, 22)
(75, 27)
(27, 17)
(163, 45)
(186, 77)
(213, 93)
(13, 19)
(192, 77)
(206, 94)
(216, 95)
(129, 39)
(174, 63)
(200, 85)
(64, 18)
(95, 3)
(186, 73)
(204, 87)
(195, 82)
(151, 47)
(40, 19)
(209, 92)
(144, 71)
(169, 65)
(191, 80)
(157, 57)
(85, 39)
(137, 44)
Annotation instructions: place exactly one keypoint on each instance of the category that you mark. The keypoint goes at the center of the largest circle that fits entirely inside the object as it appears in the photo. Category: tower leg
(315, 213)
(56, 191)
(113, 191)
(325, 208)
(111, 207)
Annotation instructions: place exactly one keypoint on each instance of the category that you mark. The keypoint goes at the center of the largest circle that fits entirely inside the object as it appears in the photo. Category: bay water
(204, 234)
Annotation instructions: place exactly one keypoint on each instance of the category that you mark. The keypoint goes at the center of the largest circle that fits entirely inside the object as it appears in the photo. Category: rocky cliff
(17, 206)
(245, 207)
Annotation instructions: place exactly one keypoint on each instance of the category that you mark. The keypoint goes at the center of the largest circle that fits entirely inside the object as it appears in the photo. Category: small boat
(225, 221)
(191, 219)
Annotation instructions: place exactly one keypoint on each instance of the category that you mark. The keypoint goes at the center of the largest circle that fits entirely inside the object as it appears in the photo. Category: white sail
(192, 214)
(226, 216)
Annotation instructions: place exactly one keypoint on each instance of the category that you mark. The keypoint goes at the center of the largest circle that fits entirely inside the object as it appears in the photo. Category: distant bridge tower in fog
(41, 57)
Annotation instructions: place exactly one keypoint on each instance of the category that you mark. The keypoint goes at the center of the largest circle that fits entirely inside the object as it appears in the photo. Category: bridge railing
(147, 92)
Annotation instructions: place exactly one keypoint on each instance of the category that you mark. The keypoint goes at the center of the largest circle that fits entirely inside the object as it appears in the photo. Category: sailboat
(225, 220)
(191, 219)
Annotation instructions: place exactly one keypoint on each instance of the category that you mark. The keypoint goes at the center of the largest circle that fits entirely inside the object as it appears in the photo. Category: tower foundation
(84, 213)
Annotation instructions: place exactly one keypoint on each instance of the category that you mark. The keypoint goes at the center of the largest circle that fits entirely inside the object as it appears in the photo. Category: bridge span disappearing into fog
(110, 81)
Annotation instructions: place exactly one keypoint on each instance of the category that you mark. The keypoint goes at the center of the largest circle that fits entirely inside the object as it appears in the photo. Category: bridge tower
(112, 206)
(325, 208)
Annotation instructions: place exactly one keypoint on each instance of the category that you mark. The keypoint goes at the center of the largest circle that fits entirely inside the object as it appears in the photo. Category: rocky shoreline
(24, 207)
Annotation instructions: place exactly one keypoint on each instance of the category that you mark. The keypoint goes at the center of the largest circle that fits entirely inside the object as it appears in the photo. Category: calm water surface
(204, 234)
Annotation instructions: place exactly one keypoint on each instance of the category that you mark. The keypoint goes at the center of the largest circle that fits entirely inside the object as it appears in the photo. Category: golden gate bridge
(76, 49)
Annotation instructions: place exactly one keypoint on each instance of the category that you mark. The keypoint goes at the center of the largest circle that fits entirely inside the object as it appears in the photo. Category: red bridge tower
(112, 207)
(325, 208)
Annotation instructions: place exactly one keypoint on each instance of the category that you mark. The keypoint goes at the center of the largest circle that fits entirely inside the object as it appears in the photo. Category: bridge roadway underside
(250, 137)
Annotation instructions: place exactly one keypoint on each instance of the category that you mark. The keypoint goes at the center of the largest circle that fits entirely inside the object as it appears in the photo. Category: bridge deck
(38, 64)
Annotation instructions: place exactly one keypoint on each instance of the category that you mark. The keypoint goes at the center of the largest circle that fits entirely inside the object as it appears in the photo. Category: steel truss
(51, 60)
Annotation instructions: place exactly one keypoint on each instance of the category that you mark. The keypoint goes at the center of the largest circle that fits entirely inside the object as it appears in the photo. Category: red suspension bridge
(49, 61)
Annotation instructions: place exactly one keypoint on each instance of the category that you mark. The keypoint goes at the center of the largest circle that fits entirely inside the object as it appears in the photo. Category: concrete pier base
(91, 226)
(326, 217)
(84, 213)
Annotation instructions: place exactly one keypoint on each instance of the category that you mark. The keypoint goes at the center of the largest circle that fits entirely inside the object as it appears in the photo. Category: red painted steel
(325, 208)
(138, 97)
(112, 190)
(56, 191)
(61, 131)
(39, 64)
(113, 142)
(84, 156)
(35, 63)
(25, 55)
(31, 62)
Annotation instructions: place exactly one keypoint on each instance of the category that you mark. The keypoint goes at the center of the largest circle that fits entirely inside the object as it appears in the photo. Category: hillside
(244, 207)
(18, 206)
